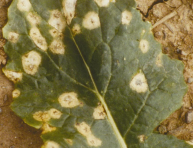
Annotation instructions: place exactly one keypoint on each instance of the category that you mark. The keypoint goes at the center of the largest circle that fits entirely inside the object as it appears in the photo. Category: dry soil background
(173, 27)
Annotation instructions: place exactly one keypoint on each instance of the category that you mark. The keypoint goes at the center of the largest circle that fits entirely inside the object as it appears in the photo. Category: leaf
(90, 74)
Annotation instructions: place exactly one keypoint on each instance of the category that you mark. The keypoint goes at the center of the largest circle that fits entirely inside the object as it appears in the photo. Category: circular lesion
(76, 29)
(139, 83)
(57, 47)
(144, 45)
(91, 21)
(13, 37)
(31, 62)
(69, 100)
(126, 17)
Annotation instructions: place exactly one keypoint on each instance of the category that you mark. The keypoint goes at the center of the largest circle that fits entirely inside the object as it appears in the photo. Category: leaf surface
(90, 74)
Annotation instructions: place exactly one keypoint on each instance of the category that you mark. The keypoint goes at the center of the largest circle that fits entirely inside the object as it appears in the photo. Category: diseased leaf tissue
(90, 74)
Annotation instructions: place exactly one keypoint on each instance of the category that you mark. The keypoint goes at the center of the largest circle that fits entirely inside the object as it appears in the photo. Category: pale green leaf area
(89, 73)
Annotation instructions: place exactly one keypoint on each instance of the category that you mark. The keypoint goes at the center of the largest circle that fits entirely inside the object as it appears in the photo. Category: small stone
(166, 48)
(189, 116)
(174, 3)
(178, 50)
(5, 98)
(190, 80)
(160, 10)
(184, 53)
(158, 34)
(162, 129)
(172, 124)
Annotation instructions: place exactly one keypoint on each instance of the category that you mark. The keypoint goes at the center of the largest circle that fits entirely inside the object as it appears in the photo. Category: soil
(172, 22)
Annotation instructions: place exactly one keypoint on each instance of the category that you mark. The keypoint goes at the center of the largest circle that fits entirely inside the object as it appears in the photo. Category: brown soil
(174, 30)
(14, 133)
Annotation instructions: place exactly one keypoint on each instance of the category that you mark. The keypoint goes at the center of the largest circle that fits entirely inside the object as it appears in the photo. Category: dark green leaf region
(89, 73)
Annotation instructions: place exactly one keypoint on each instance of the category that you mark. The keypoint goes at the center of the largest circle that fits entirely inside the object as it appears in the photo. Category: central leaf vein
(111, 120)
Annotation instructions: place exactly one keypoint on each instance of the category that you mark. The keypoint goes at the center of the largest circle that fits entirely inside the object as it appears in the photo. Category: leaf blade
(90, 69)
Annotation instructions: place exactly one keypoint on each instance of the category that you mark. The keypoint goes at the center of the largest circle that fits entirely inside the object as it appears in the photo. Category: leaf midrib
(110, 117)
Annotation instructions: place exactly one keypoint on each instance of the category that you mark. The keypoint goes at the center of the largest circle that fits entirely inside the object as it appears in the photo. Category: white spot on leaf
(141, 138)
(47, 128)
(23, 5)
(51, 144)
(139, 83)
(31, 62)
(68, 100)
(76, 29)
(16, 93)
(93, 141)
(102, 3)
(13, 76)
(143, 32)
(41, 116)
(56, 34)
(57, 20)
(144, 45)
(69, 141)
(57, 47)
(84, 129)
(13, 37)
(159, 60)
(126, 17)
(33, 18)
(54, 113)
(38, 39)
(69, 9)
(91, 21)
(47, 115)
(99, 112)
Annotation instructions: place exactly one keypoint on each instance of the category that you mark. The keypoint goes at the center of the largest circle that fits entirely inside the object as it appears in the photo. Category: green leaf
(90, 74)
